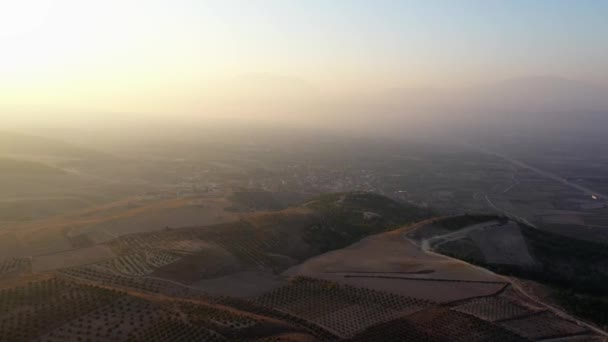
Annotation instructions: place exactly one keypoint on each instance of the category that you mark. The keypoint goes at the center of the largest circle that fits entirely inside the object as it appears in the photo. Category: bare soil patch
(72, 258)
(245, 284)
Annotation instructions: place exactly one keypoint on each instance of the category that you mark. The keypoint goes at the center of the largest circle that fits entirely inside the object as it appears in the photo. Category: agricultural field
(492, 308)
(183, 213)
(303, 238)
(569, 272)
(97, 222)
(14, 266)
(251, 201)
(141, 263)
(12, 247)
(72, 258)
(340, 308)
(543, 326)
(391, 263)
(438, 325)
(348, 266)
(61, 309)
(245, 284)
(27, 310)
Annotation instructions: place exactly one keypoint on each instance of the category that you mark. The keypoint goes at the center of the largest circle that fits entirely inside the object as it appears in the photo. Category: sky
(167, 56)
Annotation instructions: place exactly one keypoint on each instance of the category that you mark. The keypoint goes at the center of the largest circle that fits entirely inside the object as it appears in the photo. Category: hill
(257, 200)
(164, 284)
(572, 271)
(337, 267)
(273, 241)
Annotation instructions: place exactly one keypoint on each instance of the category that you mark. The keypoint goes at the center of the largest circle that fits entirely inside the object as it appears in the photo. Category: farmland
(347, 266)
(341, 308)
(516, 249)
(60, 309)
(438, 325)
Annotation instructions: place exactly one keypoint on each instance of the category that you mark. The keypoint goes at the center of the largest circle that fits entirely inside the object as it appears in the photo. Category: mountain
(520, 103)
(538, 94)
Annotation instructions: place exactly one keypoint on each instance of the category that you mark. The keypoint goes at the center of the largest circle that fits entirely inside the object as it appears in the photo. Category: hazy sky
(165, 55)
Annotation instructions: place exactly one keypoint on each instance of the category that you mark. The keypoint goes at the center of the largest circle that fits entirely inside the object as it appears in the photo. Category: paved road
(543, 173)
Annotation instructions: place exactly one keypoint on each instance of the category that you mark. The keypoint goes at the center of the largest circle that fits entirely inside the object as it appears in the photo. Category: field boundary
(430, 279)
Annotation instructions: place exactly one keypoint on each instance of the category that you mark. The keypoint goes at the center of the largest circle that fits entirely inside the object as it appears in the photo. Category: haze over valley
(303, 171)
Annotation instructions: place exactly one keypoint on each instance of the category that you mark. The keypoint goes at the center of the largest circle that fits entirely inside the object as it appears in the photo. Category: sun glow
(21, 17)
(162, 54)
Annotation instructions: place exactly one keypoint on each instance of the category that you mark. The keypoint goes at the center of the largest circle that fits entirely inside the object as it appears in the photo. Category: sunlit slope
(273, 241)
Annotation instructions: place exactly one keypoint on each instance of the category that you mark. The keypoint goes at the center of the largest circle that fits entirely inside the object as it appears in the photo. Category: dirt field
(105, 222)
(503, 245)
(159, 219)
(383, 261)
(246, 284)
(388, 252)
(11, 246)
(155, 216)
(427, 289)
(438, 324)
(72, 258)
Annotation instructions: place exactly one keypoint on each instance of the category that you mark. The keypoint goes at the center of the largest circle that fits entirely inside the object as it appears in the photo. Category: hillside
(572, 272)
(273, 241)
(338, 267)
(164, 284)
(346, 218)
(252, 200)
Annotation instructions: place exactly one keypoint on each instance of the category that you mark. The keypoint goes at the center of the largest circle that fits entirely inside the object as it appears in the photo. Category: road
(509, 214)
(439, 240)
(514, 284)
(546, 174)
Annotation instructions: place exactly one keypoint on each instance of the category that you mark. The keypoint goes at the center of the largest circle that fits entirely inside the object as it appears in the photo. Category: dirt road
(515, 285)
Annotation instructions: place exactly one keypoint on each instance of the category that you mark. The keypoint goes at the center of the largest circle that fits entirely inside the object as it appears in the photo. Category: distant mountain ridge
(527, 94)
(540, 102)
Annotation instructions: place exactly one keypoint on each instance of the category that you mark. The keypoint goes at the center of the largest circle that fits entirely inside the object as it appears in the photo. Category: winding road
(425, 247)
